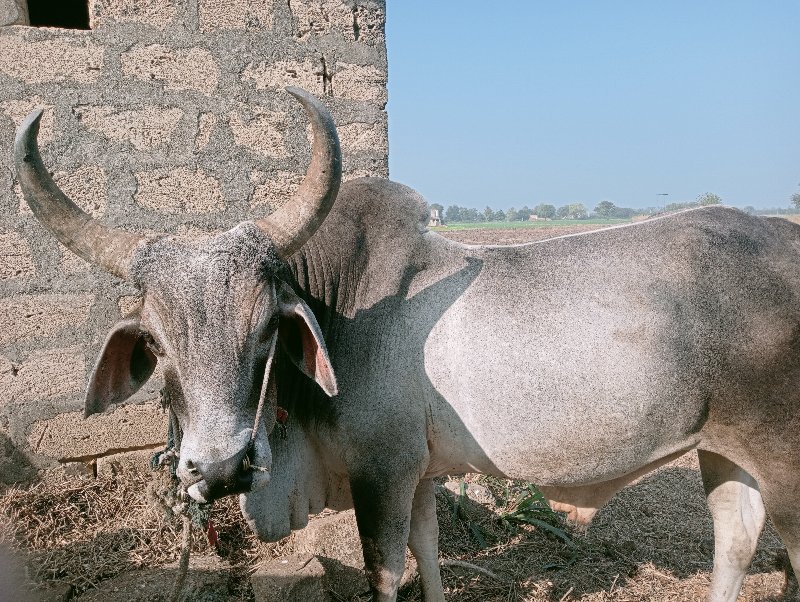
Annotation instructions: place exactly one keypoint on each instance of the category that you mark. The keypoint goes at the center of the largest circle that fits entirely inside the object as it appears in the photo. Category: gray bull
(578, 363)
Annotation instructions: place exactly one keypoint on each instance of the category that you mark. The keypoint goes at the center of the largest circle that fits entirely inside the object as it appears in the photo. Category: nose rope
(264, 388)
(247, 464)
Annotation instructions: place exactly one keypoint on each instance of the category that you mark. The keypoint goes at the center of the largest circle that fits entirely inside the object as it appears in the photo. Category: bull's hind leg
(738, 513)
(781, 490)
(423, 540)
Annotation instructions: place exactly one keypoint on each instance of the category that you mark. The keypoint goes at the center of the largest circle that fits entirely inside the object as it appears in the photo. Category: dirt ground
(87, 539)
(514, 236)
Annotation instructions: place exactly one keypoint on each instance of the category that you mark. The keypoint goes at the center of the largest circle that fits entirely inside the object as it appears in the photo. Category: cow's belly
(559, 400)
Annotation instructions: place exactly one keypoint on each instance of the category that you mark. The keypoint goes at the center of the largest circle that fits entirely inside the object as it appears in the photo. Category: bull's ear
(302, 340)
(124, 366)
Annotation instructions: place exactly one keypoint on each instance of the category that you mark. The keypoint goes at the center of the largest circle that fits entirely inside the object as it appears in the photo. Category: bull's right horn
(102, 246)
(297, 220)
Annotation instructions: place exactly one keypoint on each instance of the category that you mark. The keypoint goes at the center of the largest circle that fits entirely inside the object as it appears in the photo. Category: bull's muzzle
(208, 481)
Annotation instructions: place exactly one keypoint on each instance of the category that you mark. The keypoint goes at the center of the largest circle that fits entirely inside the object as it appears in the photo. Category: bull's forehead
(202, 286)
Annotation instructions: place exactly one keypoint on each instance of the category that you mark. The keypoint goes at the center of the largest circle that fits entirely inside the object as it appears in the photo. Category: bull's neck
(320, 279)
(337, 281)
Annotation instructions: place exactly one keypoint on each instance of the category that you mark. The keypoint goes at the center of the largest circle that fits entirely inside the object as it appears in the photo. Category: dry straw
(652, 542)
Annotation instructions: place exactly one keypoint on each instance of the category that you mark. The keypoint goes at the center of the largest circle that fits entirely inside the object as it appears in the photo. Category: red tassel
(281, 415)
(211, 534)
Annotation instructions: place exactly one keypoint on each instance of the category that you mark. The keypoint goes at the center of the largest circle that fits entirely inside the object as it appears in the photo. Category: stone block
(359, 82)
(67, 58)
(181, 190)
(362, 24)
(319, 17)
(334, 540)
(13, 12)
(334, 536)
(369, 26)
(128, 303)
(290, 579)
(178, 69)
(357, 137)
(262, 134)
(145, 129)
(158, 13)
(354, 174)
(70, 437)
(86, 185)
(44, 375)
(307, 74)
(17, 110)
(235, 14)
(29, 316)
(69, 263)
(205, 127)
(15, 256)
(274, 190)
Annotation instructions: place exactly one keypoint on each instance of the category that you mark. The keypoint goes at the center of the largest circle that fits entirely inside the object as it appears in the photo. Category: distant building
(435, 219)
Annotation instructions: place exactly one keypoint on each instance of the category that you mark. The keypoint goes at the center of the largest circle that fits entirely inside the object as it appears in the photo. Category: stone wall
(166, 115)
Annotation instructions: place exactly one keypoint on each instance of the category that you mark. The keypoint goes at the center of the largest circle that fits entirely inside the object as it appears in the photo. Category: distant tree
(499, 216)
(488, 213)
(524, 214)
(606, 209)
(562, 212)
(708, 198)
(453, 214)
(577, 211)
(545, 211)
(469, 215)
(752, 210)
(796, 200)
(511, 215)
(678, 206)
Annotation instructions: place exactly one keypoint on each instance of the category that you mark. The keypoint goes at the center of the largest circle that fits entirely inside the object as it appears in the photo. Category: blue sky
(523, 102)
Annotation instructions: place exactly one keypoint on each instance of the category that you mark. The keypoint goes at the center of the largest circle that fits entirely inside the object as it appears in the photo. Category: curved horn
(294, 223)
(108, 248)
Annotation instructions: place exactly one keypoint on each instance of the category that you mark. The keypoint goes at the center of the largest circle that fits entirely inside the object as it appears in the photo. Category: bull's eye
(268, 332)
(152, 344)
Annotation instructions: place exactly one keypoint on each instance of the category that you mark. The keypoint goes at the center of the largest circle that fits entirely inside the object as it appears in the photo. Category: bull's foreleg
(383, 513)
(738, 512)
(423, 540)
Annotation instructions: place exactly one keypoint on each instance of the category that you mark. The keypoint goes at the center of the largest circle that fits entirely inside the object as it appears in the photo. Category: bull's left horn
(297, 220)
(98, 244)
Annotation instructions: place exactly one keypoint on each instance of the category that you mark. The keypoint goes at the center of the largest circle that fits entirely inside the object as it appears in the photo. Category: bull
(579, 363)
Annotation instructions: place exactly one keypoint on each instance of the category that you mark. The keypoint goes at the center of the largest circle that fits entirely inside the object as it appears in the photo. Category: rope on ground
(183, 565)
(168, 492)
(470, 566)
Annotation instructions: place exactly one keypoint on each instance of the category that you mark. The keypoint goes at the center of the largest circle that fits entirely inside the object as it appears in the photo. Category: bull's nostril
(191, 468)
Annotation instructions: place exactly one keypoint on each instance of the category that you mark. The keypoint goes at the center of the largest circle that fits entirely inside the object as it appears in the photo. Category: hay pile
(81, 531)
(652, 542)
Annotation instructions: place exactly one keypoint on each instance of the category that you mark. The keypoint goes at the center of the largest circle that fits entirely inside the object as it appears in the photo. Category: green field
(537, 224)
